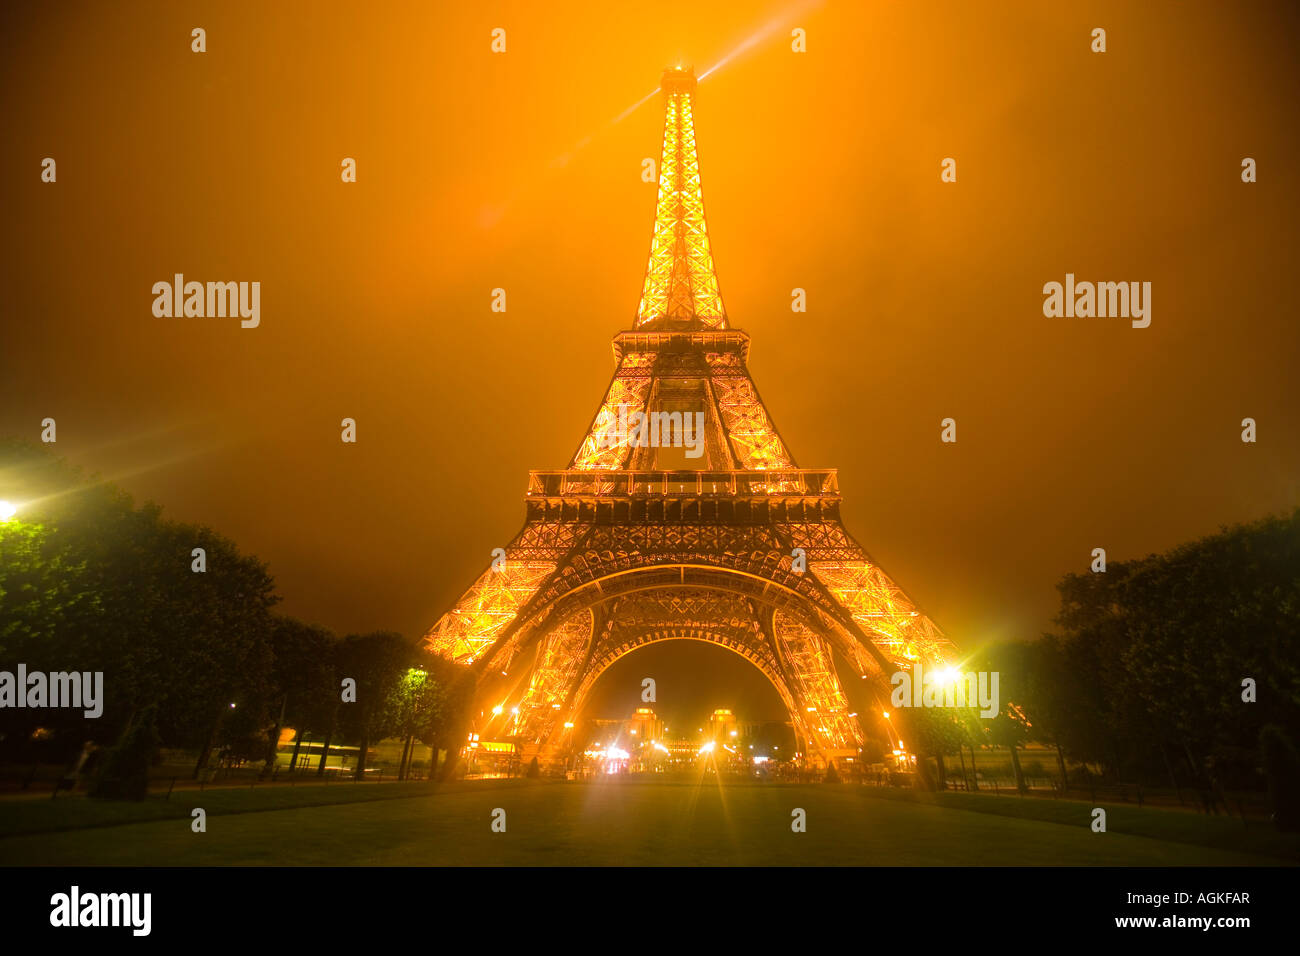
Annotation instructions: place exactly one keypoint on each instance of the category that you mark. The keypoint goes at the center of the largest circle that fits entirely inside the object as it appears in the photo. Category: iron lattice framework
(681, 288)
(633, 543)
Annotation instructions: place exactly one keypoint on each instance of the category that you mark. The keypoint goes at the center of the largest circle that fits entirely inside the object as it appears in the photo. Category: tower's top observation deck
(678, 79)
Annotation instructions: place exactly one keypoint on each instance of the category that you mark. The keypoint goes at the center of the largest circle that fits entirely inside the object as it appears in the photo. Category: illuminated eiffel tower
(635, 542)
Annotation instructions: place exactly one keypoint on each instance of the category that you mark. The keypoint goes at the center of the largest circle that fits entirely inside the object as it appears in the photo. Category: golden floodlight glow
(7, 510)
(497, 709)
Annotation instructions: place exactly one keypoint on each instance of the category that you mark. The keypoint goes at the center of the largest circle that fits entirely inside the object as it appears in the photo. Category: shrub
(125, 772)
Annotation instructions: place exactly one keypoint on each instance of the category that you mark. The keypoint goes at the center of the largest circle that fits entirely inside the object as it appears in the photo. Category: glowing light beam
(761, 34)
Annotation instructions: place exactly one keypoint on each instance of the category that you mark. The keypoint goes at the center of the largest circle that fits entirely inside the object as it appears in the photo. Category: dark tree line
(193, 660)
(1146, 680)
(1148, 675)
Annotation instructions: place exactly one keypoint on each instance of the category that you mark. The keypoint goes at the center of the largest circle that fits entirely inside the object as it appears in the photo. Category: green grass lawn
(1179, 826)
(603, 823)
(28, 815)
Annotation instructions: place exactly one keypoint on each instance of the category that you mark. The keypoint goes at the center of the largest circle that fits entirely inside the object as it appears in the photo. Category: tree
(1053, 697)
(1011, 727)
(420, 701)
(40, 587)
(89, 582)
(301, 679)
(452, 727)
(1157, 650)
(209, 642)
(377, 663)
(935, 733)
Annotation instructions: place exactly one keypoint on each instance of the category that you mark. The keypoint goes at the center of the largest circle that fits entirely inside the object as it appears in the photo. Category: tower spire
(681, 288)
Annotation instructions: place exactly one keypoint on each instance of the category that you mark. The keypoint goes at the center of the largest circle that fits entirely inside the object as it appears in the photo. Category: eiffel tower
(634, 542)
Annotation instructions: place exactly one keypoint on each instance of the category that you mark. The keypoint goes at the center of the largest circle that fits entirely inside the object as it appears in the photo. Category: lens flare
(763, 33)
